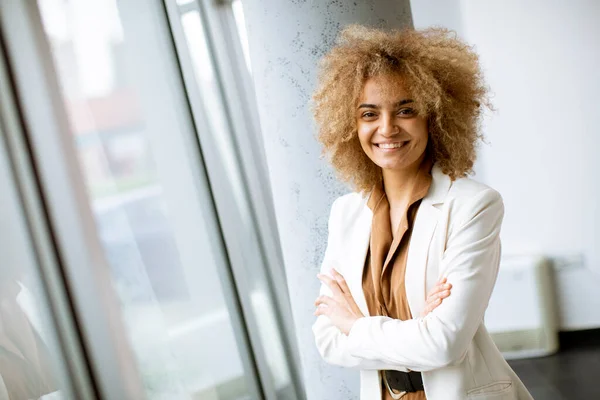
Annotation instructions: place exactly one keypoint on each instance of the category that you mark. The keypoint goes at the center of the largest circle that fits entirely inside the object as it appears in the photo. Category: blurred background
(164, 205)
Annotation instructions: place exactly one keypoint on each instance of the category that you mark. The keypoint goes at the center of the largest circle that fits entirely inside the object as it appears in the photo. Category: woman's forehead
(384, 89)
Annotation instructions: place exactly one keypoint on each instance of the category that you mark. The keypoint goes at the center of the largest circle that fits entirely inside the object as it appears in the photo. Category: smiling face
(391, 132)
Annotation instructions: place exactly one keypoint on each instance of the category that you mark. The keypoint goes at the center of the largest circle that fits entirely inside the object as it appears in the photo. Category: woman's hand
(439, 292)
(341, 309)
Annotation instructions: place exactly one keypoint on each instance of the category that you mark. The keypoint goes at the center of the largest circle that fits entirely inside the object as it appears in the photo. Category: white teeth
(389, 145)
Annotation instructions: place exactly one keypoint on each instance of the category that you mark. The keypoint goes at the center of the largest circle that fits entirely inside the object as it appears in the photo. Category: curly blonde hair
(441, 72)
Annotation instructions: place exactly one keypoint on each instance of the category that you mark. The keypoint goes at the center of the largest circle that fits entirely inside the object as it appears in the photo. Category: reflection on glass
(29, 357)
(175, 314)
(240, 24)
(25, 359)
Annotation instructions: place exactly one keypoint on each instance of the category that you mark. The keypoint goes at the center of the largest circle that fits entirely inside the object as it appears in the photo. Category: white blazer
(455, 234)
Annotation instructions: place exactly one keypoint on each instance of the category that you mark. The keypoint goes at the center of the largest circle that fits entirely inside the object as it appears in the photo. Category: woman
(399, 114)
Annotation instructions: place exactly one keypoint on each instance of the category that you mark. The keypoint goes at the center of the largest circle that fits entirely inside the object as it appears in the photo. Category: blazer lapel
(356, 254)
(424, 226)
(425, 223)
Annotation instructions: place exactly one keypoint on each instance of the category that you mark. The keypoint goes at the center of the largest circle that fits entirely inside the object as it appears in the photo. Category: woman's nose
(387, 126)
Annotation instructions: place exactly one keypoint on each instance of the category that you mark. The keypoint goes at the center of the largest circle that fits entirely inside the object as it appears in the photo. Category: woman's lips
(392, 149)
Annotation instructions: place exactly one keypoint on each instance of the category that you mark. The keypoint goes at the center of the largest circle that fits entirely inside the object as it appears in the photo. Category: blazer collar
(440, 184)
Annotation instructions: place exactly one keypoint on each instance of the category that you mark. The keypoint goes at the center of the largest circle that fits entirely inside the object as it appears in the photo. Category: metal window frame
(237, 96)
(232, 215)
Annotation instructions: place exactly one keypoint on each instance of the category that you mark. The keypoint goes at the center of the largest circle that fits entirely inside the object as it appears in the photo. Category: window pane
(173, 305)
(30, 361)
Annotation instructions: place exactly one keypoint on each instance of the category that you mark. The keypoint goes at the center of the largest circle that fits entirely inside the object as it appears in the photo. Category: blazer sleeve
(470, 262)
(331, 343)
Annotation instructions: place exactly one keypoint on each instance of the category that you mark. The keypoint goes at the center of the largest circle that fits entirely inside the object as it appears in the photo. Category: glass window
(30, 360)
(171, 295)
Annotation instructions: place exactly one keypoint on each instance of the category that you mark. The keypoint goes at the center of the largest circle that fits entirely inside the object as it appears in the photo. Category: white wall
(542, 61)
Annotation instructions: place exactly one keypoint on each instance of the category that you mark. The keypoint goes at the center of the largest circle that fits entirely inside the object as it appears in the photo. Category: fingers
(341, 281)
(432, 304)
(439, 286)
(436, 299)
(321, 311)
(347, 293)
(442, 294)
(324, 300)
(439, 292)
(332, 283)
(430, 307)
(323, 304)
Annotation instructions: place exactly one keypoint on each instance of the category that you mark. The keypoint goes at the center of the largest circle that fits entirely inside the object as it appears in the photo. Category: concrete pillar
(286, 38)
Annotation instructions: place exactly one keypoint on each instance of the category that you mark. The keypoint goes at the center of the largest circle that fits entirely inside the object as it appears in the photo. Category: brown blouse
(383, 277)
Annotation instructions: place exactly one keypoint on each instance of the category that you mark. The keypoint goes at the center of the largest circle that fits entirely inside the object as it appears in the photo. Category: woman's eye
(368, 114)
(406, 111)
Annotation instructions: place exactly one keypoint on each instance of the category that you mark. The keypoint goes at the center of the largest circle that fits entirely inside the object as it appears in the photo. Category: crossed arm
(437, 339)
(342, 312)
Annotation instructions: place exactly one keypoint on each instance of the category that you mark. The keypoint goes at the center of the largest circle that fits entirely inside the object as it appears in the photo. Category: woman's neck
(397, 183)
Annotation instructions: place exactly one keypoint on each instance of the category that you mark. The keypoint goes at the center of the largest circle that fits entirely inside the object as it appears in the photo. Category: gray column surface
(286, 40)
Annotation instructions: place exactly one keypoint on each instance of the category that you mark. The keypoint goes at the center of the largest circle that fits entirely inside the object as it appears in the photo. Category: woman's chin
(398, 163)
(398, 166)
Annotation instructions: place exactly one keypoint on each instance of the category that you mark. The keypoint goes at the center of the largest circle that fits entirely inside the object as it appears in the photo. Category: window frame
(238, 100)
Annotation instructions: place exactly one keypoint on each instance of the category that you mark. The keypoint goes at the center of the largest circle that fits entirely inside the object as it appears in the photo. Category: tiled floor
(573, 373)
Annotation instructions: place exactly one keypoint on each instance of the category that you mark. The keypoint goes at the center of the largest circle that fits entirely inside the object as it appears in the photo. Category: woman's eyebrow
(397, 104)
(368, 106)
(403, 102)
